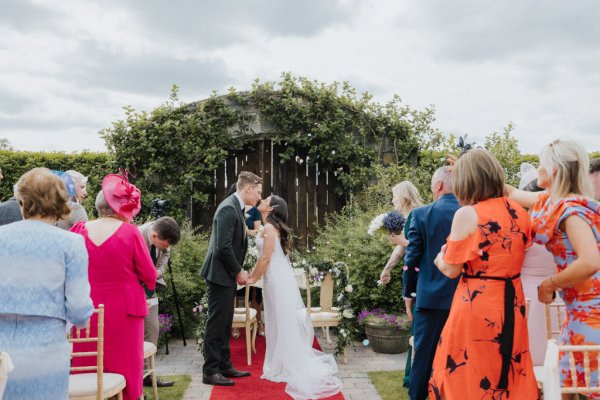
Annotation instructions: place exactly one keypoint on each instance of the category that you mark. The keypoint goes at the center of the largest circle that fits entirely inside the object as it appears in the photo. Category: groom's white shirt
(240, 200)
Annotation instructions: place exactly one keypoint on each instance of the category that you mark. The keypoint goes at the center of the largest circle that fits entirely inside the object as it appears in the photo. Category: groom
(222, 269)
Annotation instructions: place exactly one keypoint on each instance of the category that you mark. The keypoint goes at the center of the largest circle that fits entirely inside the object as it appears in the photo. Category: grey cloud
(213, 24)
(13, 103)
(488, 30)
(151, 74)
(24, 16)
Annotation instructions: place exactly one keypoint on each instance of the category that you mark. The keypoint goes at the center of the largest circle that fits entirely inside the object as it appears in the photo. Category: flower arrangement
(392, 222)
(165, 323)
(341, 300)
(251, 254)
(379, 317)
(201, 311)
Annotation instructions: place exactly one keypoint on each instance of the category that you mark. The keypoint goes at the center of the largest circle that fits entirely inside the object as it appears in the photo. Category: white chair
(95, 385)
(149, 353)
(555, 316)
(6, 366)
(247, 320)
(551, 377)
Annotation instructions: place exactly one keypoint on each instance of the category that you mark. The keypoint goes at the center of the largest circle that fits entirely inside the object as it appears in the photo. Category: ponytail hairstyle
(278, 218)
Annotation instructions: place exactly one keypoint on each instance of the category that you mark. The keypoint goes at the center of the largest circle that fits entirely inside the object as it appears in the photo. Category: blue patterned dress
(44, 284)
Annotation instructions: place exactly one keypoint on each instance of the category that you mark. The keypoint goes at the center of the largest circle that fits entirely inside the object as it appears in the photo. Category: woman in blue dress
(44, 284)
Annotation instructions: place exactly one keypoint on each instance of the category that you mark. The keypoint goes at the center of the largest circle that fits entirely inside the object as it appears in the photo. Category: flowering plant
(379, 317)
(165, 323)
(251, 254)
(394, 222)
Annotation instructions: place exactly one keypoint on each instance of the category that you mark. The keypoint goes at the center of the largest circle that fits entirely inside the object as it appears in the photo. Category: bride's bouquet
(251, 254)
(392, 222)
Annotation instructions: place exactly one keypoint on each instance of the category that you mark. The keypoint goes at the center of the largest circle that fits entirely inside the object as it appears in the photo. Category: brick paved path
(354, 375)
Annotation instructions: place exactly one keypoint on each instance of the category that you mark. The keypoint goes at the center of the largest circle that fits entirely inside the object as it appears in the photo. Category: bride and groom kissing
(289, 334)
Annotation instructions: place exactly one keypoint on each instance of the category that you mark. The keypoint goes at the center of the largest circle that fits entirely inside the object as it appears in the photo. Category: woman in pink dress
(538, 265)
(118, 261)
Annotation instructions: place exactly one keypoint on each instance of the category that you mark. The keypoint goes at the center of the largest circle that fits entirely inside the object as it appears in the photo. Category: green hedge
(94, 165)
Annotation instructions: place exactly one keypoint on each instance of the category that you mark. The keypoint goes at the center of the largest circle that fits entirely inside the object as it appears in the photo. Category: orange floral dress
(483, 352)
(582, 323)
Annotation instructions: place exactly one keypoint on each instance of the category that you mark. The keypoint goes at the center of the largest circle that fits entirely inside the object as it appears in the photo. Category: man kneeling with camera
(159, 235)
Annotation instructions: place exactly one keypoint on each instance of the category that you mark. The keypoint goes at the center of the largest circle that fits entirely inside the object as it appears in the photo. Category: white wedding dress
(290, 357)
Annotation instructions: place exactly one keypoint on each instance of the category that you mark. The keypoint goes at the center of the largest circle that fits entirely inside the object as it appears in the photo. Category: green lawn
(389, 384)
(175, 392)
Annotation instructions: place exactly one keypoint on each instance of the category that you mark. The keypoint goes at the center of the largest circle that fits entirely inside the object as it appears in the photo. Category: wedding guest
(118, 261)
(483, 351)
(78, 212)
(10, 211)
(44, 285)
(567, 221)
(595, 177)
(429, 227)
(538, 266)
(158, 236)
(405, 197)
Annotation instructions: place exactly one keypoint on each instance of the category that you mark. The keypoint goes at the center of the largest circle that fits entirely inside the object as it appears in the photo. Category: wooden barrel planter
(387, 339)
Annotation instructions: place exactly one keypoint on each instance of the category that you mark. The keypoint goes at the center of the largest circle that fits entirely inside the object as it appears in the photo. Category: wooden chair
(554, 312)
(551, 379)
(247, 320)
(325, 316)
(150, 364)
(94, 385)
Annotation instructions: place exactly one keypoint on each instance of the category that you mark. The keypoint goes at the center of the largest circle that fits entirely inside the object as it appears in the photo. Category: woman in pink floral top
(567, 222)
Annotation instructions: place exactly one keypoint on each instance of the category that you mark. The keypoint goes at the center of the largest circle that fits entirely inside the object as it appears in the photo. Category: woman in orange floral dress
(483, 352)
(567, 221)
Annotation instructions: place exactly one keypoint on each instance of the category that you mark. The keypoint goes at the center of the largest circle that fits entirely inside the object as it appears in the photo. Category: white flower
(313, 271)
(303, 261)
(295, 264)
(340, 297)
(246, 215)
(376, 224)
(347, 313)
(349, 254)
(348, 288)
(332, 151)
(342, 331)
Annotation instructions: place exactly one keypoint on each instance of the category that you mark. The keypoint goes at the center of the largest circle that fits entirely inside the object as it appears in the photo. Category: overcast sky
(68, 67)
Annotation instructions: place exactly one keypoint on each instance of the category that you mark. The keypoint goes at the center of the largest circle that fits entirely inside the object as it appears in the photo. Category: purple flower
(165, 322)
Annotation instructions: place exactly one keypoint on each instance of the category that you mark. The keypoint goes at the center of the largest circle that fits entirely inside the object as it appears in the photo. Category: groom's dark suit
(224, 259)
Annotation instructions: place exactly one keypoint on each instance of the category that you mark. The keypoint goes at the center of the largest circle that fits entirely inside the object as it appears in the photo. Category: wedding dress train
(290, 357)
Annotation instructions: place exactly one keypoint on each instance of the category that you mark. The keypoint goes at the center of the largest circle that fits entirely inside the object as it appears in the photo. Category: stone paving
(354, 375)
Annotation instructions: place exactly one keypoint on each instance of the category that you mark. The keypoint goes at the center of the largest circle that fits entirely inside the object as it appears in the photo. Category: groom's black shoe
(234, 373)
(217, 380)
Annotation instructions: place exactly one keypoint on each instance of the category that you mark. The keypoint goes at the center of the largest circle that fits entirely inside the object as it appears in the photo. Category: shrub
(186, 261)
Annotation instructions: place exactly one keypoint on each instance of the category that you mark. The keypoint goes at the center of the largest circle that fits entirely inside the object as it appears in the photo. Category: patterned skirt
(41, 355)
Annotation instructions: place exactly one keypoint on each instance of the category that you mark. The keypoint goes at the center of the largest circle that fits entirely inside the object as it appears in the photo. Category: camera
(159, 208)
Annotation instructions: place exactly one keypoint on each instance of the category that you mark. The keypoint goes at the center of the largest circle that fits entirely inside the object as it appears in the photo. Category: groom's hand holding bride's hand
(242, 278)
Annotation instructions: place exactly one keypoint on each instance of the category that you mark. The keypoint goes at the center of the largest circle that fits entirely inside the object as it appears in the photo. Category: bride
(290, 357)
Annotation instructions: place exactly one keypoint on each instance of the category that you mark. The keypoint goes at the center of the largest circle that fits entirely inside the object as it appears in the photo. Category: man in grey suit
(159, 236)
(222, 269)
(9, 210)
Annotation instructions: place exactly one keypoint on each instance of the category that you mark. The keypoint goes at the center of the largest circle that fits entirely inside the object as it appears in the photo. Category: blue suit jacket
(429, 228)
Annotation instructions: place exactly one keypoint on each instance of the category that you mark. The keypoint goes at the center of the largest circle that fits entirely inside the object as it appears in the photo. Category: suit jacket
(162, 260)
(10, 211)
(228, 243)
(429, 228)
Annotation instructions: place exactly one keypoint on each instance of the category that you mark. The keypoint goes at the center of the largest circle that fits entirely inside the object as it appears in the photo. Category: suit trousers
(216, 351)
(428, 325)
(151, 326)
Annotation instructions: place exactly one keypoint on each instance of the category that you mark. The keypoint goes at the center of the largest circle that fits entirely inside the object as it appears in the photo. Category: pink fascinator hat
(121, 195)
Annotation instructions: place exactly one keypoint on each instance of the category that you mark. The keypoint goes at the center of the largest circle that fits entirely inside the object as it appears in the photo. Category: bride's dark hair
(278, 218)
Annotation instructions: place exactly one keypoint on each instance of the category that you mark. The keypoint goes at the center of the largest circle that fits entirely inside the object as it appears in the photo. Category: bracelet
(554, 283)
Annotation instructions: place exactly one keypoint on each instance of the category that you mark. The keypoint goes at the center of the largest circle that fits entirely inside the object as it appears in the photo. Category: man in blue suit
(429, 228)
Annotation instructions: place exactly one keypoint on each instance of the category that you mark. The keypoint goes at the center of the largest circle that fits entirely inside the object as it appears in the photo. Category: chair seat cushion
(325, 316)
(241, 317)
(149, 349)
(81, 385)
(318, 309)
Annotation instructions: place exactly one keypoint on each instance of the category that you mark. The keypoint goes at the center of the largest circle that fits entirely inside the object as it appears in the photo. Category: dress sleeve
(464, 250)
(146, 271)
(78, 304)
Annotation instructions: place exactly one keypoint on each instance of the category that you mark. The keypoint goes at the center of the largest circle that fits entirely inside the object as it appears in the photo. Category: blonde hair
(409, 196)
(572, 165)
(477, 176)
(43, 194)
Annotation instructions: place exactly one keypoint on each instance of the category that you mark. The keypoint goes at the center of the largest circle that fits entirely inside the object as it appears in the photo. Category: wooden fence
(308, 190)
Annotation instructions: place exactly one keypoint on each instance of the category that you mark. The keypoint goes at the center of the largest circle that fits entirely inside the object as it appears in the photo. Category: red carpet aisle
(252, 387)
